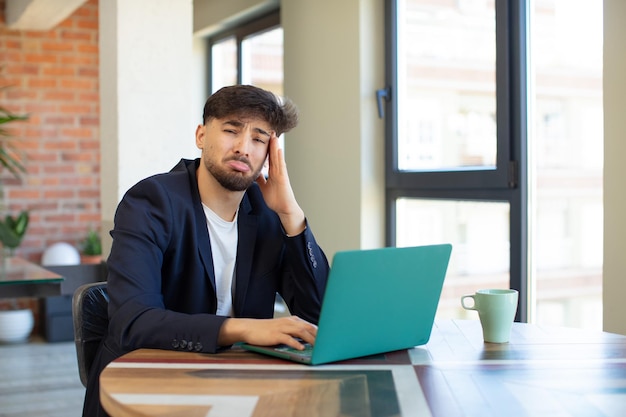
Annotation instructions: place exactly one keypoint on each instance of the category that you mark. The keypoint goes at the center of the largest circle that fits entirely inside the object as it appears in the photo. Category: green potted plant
(12, 228)
(91, 248)
(16, 323)
(10, 157)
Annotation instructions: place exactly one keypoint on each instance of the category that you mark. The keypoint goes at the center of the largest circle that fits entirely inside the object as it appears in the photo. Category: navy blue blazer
(161, 282)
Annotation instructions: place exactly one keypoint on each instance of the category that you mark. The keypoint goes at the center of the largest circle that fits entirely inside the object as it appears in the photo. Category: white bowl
(16, 325)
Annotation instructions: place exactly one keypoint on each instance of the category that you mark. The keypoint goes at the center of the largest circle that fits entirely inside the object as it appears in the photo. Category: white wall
(146, 119)
(614, 275)
(334, 62)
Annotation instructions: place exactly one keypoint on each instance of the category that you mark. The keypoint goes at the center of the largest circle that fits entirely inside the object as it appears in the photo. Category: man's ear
(200, 136)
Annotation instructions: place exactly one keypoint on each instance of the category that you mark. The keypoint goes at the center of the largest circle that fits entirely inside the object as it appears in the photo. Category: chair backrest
(89, 312)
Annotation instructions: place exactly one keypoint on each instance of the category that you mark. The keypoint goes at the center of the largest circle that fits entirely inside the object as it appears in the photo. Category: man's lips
(238, 165)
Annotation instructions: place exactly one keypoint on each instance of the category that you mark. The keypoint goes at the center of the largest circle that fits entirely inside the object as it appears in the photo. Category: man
(199, 253)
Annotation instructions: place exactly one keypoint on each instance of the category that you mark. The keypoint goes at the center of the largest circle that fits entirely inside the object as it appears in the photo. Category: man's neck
(223, 202)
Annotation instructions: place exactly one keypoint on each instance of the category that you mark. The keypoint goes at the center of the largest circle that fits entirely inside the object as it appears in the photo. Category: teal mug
(496, 310)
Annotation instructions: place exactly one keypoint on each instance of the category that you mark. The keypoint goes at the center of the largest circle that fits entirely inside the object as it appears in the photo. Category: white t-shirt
(224, 237)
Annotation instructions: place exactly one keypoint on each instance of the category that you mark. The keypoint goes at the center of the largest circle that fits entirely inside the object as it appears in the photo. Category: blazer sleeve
(160, 293)
(304, 275)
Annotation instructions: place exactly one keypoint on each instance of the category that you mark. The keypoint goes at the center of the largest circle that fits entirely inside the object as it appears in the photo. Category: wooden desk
(541, 372)
(21, 278)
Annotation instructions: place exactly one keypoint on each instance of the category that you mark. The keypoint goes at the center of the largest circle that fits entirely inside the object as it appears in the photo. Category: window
(494, 144)
(251, 53)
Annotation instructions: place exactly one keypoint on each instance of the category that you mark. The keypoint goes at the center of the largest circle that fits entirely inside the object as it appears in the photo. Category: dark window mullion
(239, 60)
(391, 115)
(518, 92)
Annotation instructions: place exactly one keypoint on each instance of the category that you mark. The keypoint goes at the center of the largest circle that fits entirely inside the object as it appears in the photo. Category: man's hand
(277, 191)
(268, 332)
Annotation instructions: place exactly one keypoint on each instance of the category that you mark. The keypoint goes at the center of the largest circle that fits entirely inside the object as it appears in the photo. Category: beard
(232, 180)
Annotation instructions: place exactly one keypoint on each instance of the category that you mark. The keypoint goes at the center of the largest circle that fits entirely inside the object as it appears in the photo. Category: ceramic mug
(496, 310)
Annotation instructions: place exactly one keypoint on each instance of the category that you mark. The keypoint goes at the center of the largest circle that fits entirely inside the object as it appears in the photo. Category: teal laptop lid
(376, 301)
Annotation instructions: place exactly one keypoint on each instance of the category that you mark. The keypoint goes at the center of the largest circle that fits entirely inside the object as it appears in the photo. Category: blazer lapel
(204, 247)
(202, 232)
(247, 225)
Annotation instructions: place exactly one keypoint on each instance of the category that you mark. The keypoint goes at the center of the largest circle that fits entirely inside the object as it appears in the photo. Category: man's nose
(242, 144)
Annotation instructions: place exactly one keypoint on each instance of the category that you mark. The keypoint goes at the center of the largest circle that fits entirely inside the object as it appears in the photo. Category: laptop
(376, 301)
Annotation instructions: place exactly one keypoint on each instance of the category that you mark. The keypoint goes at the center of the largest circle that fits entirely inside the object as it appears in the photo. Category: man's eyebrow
(261, 131)
(238, 123)
(233, 122)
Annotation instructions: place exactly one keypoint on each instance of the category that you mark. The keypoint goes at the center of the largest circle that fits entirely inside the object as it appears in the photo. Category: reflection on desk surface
(543, 371)
(15, 270)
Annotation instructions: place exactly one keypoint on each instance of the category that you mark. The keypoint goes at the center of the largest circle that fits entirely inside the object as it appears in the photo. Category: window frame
(508, 182)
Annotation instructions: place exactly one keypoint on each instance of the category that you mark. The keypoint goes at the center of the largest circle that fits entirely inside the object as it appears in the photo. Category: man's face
(234, 150)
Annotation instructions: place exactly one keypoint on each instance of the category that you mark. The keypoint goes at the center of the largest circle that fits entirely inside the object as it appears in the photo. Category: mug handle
(468, 307)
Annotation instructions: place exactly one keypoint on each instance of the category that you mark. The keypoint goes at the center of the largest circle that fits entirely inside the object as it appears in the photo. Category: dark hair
(250, 101)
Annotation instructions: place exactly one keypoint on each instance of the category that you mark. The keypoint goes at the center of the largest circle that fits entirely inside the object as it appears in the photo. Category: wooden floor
(40, 379)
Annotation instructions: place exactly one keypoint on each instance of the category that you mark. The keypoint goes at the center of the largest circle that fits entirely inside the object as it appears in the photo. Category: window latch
(383, 93)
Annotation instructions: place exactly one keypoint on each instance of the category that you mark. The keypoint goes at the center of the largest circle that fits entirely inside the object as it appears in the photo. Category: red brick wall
(54, 78)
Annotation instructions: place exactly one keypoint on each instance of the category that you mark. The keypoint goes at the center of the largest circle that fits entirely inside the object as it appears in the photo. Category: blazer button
(175, 343)
(198, 347)
(190, 346)
(183, 344)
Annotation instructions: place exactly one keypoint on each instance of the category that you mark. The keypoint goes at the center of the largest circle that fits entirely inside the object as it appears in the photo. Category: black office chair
(89, 314)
